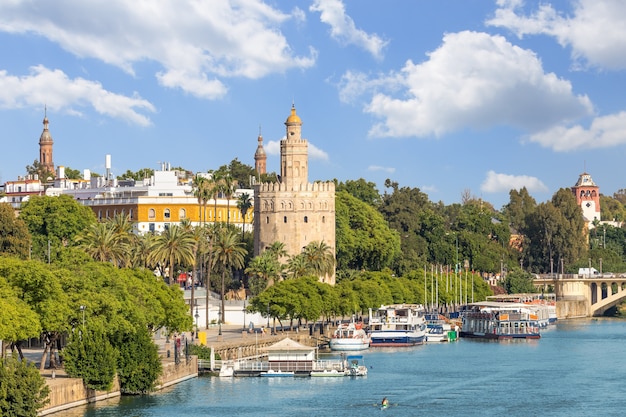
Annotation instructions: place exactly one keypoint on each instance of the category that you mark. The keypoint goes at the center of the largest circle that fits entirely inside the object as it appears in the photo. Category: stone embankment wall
(67, 393)
(71, 392)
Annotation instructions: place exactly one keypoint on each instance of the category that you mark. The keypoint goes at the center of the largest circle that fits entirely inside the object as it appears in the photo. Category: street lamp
(197, 316)
(268, 316)
(244, 315)
(83, 308)
(219, 322)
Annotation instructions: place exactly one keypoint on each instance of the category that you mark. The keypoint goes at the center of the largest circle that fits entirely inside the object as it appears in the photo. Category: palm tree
(297, 266)
(244, 203)
(277, 249)
(140, 252)
(265, 267)
(320, 257)
(229, 188)
(173, 246)
(228, 254)
(201, 190)
(102, 243)
(206, 248)
(215, 188)
(197, 233)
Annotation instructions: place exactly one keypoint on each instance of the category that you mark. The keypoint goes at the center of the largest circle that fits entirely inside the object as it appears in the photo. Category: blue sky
(447, 96)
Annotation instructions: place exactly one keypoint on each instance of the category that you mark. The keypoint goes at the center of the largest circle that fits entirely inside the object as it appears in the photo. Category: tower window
(285, 219)
(306, 219)
(267, 220)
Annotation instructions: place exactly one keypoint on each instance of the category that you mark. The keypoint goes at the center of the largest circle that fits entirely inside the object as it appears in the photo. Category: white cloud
(194, 42)
(604, 132)
(56, 90)
(273, 148)
(317, 153)
(496, 183)
(343, 29)
(473, 80)
(389, 170)
(595, 31)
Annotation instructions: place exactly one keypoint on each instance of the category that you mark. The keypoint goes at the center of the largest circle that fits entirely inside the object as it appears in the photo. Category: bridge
(583, 295)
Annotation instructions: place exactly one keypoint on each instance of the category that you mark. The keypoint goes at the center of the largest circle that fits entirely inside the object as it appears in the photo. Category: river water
(577, 368)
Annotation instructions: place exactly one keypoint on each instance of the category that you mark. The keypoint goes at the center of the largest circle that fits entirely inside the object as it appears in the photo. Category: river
(577, 368)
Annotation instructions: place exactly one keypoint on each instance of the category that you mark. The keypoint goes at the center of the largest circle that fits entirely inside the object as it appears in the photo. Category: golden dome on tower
(293, 117)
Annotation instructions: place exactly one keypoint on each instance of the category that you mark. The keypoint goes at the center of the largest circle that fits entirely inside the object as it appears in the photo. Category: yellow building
(156, 203)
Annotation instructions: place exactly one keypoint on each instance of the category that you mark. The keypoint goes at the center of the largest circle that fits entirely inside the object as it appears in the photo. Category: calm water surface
(577, 368)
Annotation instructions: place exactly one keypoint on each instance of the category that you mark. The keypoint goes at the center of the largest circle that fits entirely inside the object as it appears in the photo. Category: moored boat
(349, 337)
(355, 366)
(274, 374)
(328, 373)
(494, 320)
(397, 325)
(439, 329)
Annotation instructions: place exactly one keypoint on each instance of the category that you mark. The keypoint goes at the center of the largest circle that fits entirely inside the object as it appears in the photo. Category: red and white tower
(587, 197)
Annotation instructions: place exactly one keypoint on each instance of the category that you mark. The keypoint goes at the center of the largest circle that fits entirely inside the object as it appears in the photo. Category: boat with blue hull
(397, 325)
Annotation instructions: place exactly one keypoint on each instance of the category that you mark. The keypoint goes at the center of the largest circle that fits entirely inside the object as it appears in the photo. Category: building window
(166, 213)
(151, 227)
(107, 214)
(166, 226)
(130, 214)
(267, 219)
(182, 213)
(285, 219)
(323, 219)
(99, 214)
(306, 219)
(151, 213)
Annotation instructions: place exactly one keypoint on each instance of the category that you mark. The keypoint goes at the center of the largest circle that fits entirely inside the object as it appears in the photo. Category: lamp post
(83, 308)
(268, 316)
(244, 315)
(219, 322)
(197, 316)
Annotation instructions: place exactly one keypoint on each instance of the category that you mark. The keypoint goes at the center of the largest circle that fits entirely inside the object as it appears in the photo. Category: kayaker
(384, 402)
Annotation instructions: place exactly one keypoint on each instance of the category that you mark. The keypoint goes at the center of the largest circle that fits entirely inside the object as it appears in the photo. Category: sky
(448, 96)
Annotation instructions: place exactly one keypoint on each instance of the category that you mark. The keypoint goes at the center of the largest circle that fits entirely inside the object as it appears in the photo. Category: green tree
(90, 356)
(14, 235)
(104, 244)
(140, 175)
(173, 247)
(365, 191)
(139, 365)
(244, 204)
(518, 281)
(73, 174)
(228, 253)
(364, 240)
(53, 223)
(39, 170)
(264, 270)
(320, 257)
(17, 320)
(240, 172)
(40, 287)
(23, 391)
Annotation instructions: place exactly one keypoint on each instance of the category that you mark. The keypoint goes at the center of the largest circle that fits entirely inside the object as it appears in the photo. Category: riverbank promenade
(66, 392)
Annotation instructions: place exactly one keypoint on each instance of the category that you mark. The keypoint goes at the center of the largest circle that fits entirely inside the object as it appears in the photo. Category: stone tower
(292, 210)
(45, 148)
(587, 197)
(260, 158)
